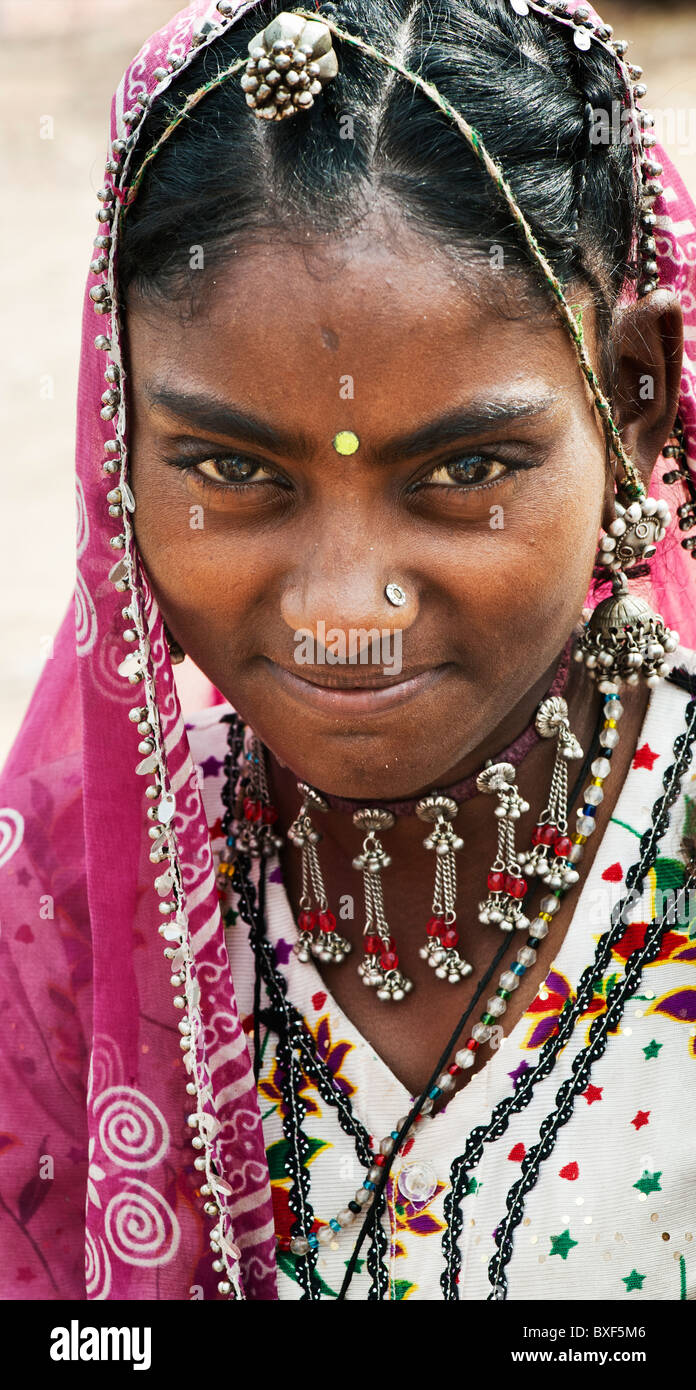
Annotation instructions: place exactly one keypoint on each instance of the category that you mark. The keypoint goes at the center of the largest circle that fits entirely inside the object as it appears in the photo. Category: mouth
(363, 691)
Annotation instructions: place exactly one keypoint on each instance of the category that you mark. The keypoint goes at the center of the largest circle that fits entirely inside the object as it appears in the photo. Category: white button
(417, 1182)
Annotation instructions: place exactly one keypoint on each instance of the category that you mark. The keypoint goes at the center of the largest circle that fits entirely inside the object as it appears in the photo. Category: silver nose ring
(396, 595)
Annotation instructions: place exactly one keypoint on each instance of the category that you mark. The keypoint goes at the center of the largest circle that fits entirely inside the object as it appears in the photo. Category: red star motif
(644, 757)
(216, 830)
(517, 1154)
(593, 1093)
(641, 1118)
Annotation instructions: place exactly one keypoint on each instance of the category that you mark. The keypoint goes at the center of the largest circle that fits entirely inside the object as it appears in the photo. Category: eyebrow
(219, 417)
(476, 417)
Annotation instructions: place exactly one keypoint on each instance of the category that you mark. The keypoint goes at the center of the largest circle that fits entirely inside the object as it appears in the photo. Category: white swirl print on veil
(104, 666)
(140, 1226)
(81, 518)
(97, 1268)
(105, 1065)
(133, 1132)
(85, 617)
(85, 612)
(11, 832)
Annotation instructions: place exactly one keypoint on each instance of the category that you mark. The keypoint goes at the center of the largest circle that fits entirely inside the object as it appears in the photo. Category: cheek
(210, 577)
(529, 559)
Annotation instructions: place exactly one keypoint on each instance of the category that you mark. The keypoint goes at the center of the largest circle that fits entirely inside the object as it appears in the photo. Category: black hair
(225, 178)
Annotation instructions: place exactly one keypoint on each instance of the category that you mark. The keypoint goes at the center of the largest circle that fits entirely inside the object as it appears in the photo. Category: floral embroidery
(283, 1219)
(333, 1054)
(271, 1090)
(547, 1009)
(413, 1218)
(674, 945)
(679, 1004)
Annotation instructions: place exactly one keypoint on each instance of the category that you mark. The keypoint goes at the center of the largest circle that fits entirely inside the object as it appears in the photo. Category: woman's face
(478, 487)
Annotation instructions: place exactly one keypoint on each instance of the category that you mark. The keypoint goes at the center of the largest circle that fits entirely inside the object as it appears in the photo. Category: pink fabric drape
(98, 1189)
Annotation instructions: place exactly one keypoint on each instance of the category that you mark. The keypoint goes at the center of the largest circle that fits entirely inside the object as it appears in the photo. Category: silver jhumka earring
(623, 638)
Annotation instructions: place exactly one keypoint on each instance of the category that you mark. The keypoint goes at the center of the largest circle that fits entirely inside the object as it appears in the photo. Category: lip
(372, 695)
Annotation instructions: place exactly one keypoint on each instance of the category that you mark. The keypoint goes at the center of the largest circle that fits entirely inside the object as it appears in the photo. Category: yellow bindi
(346, 442)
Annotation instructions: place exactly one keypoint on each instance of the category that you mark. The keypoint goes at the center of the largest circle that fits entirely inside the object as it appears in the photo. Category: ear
(647, 347)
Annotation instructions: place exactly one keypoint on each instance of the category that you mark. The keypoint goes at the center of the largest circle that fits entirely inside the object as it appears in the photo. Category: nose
(320, 597)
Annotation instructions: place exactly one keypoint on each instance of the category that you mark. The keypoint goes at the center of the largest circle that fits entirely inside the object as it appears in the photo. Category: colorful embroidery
(271, 1089)
(414, 1218)
(546, 1009)
(333, 1054)
(563, 1244)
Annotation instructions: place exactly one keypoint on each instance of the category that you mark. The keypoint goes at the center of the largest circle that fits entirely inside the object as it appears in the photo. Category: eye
(469, 471)
(234, 470)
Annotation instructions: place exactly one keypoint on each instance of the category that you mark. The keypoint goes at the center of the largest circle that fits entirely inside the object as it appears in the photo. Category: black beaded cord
(293, 1038)
(373, 1218)
(294, 1109)
(571, 1088)
(276, 987)
(510, 1105)
(283, 1014)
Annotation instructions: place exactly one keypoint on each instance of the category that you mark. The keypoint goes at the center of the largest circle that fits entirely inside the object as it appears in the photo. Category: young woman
(389, 427)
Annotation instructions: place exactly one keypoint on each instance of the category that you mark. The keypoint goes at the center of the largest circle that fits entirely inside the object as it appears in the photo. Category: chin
(382, 775)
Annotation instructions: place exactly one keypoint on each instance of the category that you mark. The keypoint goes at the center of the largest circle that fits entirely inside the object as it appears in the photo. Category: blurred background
(60, 61)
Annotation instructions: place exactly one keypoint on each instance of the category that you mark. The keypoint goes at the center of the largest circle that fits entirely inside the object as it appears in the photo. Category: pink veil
(99, 1192)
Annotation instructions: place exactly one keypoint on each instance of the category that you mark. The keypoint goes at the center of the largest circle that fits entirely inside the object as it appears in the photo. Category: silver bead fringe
(444, 958)
(379, 968)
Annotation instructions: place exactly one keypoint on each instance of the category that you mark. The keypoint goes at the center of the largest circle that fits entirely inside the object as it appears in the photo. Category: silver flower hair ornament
(290, 62)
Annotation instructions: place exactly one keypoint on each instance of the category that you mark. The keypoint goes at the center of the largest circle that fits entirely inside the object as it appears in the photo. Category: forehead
(372, 318)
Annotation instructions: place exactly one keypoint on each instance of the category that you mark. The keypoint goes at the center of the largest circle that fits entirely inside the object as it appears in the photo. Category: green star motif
(634, 1280)
(652, 1050)
(560, 1245)
(650, 1182)
(358, 1265)
(472, 1187)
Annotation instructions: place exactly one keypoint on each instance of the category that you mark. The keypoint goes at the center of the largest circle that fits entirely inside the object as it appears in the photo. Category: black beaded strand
(374, 1215)
(568, 1092)
(294, 1036)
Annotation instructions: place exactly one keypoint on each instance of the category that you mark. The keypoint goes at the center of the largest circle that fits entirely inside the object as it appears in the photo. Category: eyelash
(213, 484)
